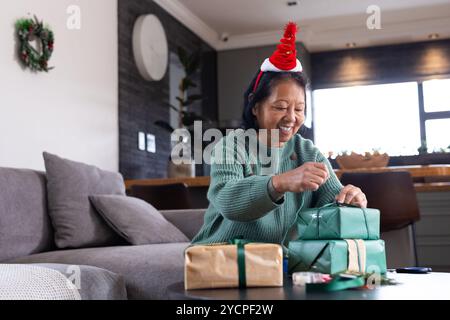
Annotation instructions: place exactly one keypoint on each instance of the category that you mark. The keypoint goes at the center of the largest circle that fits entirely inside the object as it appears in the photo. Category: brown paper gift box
(216, 266)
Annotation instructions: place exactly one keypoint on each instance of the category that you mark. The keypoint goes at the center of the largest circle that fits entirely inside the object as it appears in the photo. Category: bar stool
(394, 195)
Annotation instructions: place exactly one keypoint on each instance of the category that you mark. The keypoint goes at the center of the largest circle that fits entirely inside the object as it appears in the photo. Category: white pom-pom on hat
(268, 66)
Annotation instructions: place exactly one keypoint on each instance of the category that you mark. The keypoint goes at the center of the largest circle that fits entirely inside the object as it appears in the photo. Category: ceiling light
(292, 3)
(350, 44)
(433, 36)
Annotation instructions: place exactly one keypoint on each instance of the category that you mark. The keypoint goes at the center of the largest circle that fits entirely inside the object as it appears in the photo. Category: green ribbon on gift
(341, 204)
(338, 283)
(240, 243)
(338, 204)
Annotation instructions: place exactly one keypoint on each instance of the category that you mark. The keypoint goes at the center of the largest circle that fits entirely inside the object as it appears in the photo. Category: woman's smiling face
(283, 110)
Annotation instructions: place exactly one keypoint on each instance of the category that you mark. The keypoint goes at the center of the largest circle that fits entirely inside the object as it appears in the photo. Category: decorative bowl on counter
(369, 160)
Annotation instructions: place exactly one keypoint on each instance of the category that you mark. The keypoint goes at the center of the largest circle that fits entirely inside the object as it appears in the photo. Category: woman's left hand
(352, 195)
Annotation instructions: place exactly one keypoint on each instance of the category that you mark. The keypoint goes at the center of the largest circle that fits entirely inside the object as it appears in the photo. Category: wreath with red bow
(29, 30)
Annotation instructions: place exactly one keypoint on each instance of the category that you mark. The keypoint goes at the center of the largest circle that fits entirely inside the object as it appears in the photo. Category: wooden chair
(394, 195)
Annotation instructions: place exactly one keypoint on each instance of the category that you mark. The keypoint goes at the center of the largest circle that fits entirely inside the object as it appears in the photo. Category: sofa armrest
(189, 221)
(29, 281)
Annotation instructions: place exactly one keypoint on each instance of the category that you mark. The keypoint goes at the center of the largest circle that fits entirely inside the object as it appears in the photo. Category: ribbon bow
(338, 204)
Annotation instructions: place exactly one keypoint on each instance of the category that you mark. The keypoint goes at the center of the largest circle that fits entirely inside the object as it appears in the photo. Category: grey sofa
(133, 272)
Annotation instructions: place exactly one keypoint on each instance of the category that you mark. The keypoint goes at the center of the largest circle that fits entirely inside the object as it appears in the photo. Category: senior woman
(256, 200)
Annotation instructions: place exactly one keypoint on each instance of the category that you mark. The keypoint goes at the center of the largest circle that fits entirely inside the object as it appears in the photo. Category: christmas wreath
(29, 30)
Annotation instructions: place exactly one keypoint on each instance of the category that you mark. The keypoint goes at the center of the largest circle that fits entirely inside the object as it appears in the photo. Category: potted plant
(186, 116)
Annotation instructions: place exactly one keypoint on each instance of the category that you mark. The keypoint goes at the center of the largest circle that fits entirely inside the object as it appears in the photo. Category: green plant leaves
(187, 83)
(190, 117)
(190, 62)
(193, 64)
(183, 56)
(190, 100)
(182, 102)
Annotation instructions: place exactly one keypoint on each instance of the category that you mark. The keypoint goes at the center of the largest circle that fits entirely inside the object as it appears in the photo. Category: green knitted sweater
(240, 204)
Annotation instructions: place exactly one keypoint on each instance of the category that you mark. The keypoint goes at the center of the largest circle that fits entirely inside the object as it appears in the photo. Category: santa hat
(284, 59)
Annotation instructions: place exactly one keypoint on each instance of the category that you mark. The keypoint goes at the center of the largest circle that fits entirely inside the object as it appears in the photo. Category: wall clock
(150, 47)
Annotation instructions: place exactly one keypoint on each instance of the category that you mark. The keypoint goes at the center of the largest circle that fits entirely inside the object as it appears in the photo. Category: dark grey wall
(394, 63)
(236, 69)
(141, 103)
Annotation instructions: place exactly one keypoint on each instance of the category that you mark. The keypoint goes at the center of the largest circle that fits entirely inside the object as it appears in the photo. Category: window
(436, 115)
(438, 134)
(366, 118)
(436, 95)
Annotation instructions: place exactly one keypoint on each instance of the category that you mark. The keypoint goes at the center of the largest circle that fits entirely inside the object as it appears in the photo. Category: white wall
(73, 110)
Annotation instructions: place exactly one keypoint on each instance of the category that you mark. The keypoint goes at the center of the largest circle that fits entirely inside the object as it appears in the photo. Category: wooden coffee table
(431, 286)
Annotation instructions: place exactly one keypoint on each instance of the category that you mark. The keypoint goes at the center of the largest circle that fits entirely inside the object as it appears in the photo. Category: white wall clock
(151, 52)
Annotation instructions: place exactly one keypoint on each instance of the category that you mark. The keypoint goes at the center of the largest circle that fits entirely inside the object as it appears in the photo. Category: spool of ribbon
(338, 283)
(356, 255)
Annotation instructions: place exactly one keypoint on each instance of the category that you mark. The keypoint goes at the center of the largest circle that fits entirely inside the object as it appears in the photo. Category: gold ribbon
(356, 255)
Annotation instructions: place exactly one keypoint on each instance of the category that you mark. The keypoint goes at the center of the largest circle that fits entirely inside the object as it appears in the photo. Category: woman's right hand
(309, 176)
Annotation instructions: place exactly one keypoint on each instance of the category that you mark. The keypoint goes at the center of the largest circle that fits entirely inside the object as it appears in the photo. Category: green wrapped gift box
(335, 256)
(337, 221)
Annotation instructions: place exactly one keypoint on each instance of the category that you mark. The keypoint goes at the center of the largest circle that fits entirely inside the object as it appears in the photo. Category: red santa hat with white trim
(284, 59)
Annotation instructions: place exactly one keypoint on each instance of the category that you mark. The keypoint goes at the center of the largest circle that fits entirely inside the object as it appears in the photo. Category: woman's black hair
(267, 82)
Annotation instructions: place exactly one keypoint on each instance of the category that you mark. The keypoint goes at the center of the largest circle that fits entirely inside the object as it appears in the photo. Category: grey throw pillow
(76, 222)
(136, 220)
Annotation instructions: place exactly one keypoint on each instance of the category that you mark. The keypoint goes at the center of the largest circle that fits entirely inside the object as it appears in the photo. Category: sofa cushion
(92, 283)
(76, 222)
(135, 220)
(147, 269)
(25, 226)
(189, 221)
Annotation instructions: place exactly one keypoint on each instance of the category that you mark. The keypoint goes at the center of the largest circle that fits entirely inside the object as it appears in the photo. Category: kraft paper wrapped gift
(338, 221)
(218, 266)
(335, 256)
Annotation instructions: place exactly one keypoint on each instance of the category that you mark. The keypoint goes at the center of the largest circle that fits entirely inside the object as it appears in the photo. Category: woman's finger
(321, 166)
(317, 168)
(352, 194)
(310, 185)
(341, 196)
(311, 181)
(360, 200)
(349, 196)
(321, 173)
(312, 178)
